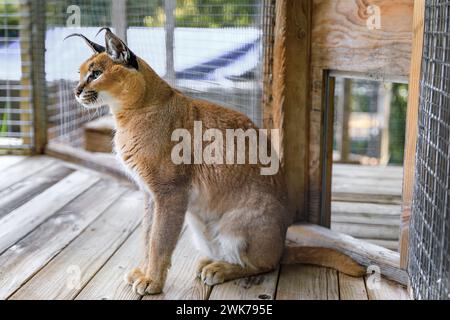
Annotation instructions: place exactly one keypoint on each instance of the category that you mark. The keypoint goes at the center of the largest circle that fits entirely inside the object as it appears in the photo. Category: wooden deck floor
(366, 203)
(71, 233)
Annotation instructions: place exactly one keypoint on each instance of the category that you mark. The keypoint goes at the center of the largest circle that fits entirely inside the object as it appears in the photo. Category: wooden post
(26, 103)
(32, 43)
(169, 8)
(291, 91)
(346, 111)
(384, 111)
(267, 97)
(411, 128)
(119, 18)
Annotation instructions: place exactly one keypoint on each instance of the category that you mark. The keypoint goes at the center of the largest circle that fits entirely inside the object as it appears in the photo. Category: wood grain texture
(8, 161)
(358, 171)
(182, 282)
(364, 230)
(262, 287)
(303, 282)
(30, 254)
(412, 115)
(352, 210)
(108, 283)
(72, 269)
(352, 288)
(99, 134)
(24, 219)
(343, 42)
(22, 170)
(384, 289)
(100, 162)
(21, 192)
(291, 90)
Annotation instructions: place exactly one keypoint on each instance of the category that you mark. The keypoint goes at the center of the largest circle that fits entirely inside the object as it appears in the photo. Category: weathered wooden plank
(365, 254)
(23, 169)
(108, 283)
(24, 219)
(343, 40)
(352, 288)
(291, 91)
(71, 270)
(99, 134)
(30, 254)
(412, 126)
(182, 282)
(101, 162)
(303, 282)
(367, 186)
(333, 284)
(21, 192)
(360, 171)
(366, 198)
(367, 220)
(384, 289)
(361, 230)
(262, 287)
(350, 209)
(388, 244)
(8, 161)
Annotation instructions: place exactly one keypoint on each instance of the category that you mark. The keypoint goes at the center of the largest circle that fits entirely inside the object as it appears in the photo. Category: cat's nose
(78, 91)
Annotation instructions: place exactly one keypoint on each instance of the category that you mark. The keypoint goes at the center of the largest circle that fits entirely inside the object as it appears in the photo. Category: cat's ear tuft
(94, 46)
(118, 51)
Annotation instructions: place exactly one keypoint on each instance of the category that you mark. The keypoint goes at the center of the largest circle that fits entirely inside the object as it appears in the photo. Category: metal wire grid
(65, 117)
(240, 30)
(16, 106)
(429, 256)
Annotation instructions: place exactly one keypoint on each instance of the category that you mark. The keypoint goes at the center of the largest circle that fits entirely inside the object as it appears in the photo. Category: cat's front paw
(144, 286)
(141, 284)
(133, 275)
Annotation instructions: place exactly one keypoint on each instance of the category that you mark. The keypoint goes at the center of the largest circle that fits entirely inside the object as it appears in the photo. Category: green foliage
(397, 123)
(216, 13)
(10, 14)
(150, 13)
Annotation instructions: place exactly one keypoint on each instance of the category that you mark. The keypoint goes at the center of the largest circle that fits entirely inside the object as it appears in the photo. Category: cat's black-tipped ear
(94, 46)
(118, 51)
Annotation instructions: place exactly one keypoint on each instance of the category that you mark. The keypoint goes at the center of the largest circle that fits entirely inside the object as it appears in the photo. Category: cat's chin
(88, 105)
(91, 105)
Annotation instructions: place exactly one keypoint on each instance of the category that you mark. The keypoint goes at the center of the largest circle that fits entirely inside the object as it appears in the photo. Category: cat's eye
(95, 74)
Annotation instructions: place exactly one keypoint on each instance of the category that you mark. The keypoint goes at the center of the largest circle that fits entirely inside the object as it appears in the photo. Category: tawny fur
(238, 217)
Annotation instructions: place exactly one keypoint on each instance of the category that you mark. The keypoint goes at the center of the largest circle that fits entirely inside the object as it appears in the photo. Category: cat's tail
(325, 257)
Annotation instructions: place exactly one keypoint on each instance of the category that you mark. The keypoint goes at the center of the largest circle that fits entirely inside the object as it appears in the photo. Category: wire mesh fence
(212, 50)
(16, 105)
(429, 258)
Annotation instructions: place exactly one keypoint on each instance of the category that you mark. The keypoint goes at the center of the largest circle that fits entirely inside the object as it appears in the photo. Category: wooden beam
(119, 18)
(411, 128)
(169, 9)
(291, 88)
(312, 244)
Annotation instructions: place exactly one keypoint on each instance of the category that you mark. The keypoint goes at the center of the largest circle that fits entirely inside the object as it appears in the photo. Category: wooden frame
(344, 45)
(411, 128)
(291, 95)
